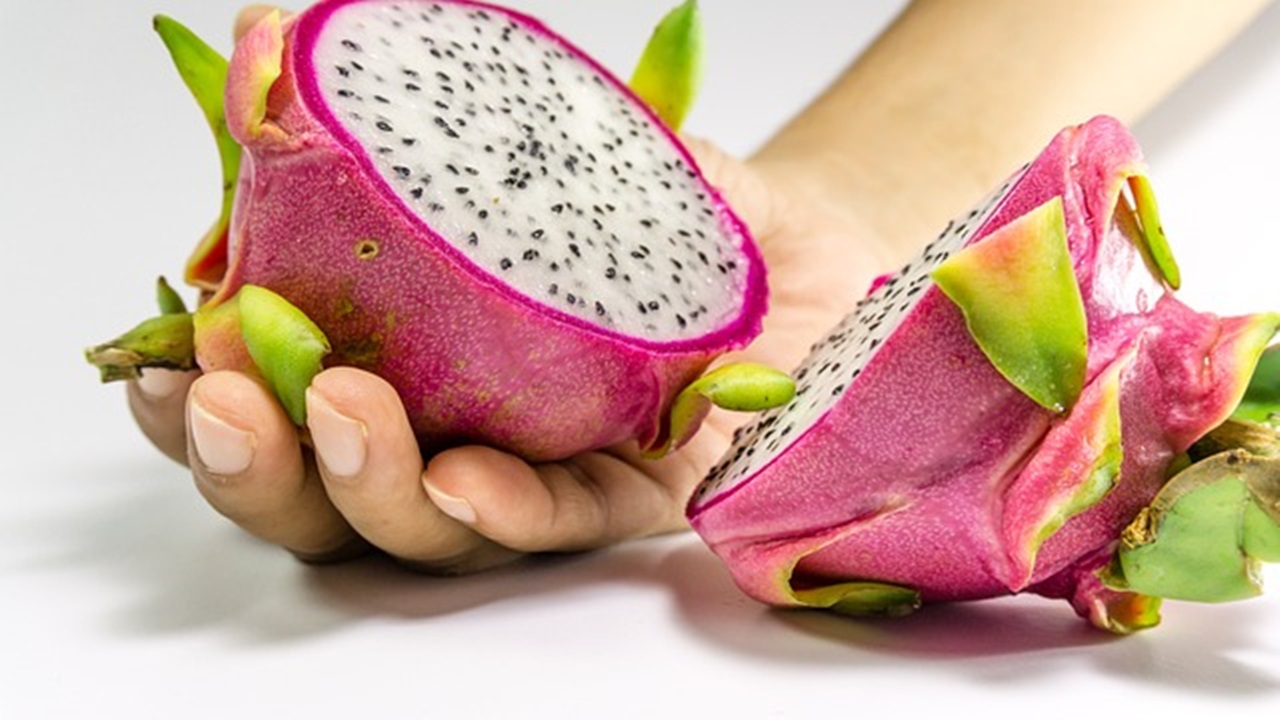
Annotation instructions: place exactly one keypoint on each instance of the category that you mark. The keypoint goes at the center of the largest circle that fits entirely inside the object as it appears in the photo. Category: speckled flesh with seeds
(519, 153)
(836, 361)
(396, 193)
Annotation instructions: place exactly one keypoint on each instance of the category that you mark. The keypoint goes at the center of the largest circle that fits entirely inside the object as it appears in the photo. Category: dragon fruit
(467, 205)
(1004, 414)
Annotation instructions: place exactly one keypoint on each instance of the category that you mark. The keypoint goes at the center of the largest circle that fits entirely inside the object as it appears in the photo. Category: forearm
(956, 93)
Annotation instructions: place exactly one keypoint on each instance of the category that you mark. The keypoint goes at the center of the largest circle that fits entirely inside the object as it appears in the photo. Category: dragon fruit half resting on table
(457, 199)
(1023, 407)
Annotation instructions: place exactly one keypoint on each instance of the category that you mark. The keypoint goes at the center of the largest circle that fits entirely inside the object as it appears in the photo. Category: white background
(121, 594)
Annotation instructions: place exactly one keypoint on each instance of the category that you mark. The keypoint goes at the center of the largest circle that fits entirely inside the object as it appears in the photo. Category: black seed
(416, 193)
(462, 190)
(383, 125)
(381, 99)
(653, 304)
(472, 238)
(537, 234)
(530, 255)
(571, 298)
(348, 44)
(402, 171)
(610, 273)
(505, 264)
(411, 87)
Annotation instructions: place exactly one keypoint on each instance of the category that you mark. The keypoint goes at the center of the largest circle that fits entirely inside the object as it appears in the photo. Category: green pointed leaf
(285, 344)
(205, 73)
(670, 69)
(1153, 230)
(168, 299)
(165, 341)
(743, 387)
(1020, 299)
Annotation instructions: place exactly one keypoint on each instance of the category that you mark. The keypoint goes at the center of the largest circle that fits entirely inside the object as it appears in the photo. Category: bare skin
(948, 101)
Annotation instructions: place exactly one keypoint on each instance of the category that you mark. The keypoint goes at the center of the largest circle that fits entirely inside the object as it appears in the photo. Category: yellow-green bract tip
(204, 71)
(1018, 292)
(743, 387)
(284, 343)
(670, 68)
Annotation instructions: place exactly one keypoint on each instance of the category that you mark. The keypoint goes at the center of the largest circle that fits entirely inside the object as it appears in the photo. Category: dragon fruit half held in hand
(1005, 414)
(467, 205)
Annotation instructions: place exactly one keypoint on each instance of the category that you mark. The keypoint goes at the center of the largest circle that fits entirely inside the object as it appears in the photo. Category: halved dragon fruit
(991, 418)
(467, 205)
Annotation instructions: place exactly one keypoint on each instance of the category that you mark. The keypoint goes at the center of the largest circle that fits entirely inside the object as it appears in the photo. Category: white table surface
(123, 595)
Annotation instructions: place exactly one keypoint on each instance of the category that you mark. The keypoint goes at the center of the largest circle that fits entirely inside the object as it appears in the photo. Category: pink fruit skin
(472, 360)
(930, 471)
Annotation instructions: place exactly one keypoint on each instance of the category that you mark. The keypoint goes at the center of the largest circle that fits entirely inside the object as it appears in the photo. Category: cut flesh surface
(531, 163)
(838, 359)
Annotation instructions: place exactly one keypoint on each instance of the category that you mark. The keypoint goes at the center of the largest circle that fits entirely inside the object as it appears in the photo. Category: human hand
(355, 479)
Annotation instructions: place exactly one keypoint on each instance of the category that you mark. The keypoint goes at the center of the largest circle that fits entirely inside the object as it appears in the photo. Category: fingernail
(451, 505)
(158, 384)
(341, 442)
(222, 449)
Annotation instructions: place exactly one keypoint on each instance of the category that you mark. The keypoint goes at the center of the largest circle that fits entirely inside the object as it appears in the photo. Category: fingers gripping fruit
(464, 203)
